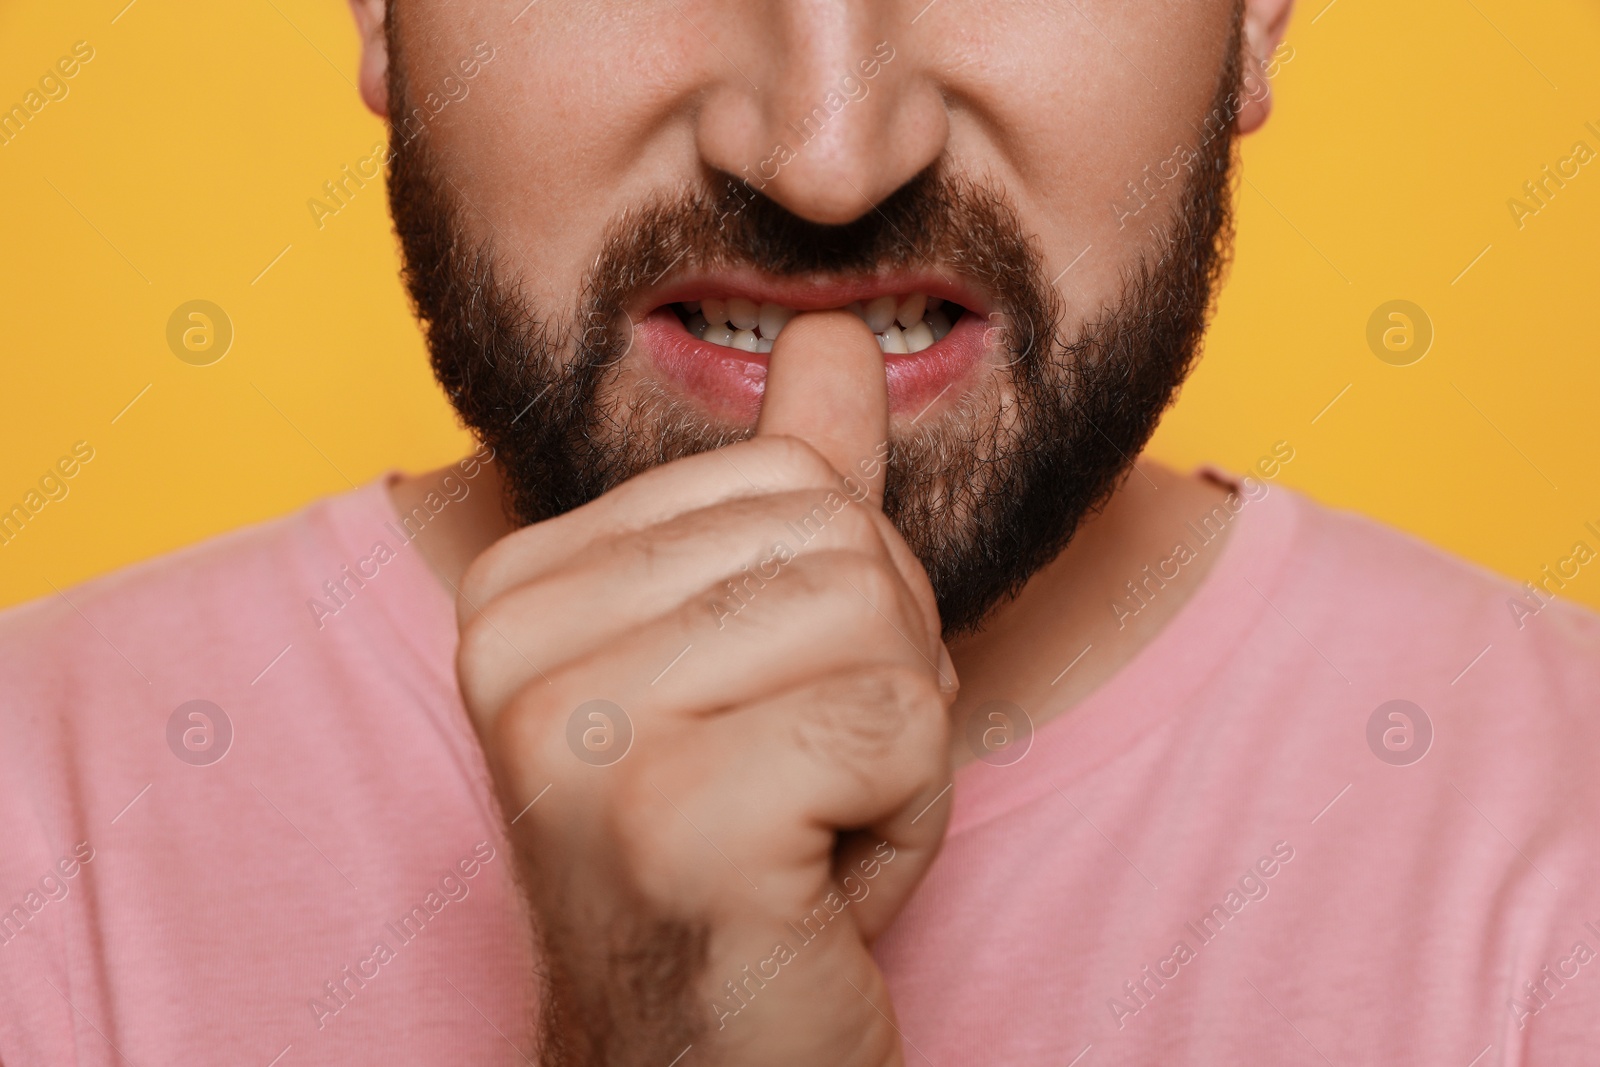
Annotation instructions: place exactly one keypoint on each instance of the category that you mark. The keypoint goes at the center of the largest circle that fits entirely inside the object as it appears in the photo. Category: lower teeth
(936, 322)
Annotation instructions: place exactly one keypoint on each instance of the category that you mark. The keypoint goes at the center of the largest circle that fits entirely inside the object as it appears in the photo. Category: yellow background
(180, 164)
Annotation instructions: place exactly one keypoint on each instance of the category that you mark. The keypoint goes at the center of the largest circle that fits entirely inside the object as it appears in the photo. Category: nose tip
(838, 121)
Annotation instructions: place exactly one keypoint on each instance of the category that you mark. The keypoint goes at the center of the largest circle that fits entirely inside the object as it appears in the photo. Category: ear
(374, 74)
(1264, 24)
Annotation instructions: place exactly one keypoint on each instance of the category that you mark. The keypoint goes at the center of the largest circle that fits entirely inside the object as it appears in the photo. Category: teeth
(774, 317)
(910, 311)
(918, 336)
(880, 314)
(742, 314)
(903, 324)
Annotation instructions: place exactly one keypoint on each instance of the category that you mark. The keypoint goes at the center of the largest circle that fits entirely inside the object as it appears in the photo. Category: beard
(985, 494)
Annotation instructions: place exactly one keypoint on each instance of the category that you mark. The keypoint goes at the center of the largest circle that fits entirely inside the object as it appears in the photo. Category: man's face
(575, 186)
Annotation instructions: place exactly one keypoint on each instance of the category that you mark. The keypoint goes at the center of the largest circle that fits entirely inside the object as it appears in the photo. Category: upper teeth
(904, 324)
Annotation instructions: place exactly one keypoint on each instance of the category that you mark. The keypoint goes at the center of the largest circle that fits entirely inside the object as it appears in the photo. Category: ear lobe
(373, 78)
(1265, 22)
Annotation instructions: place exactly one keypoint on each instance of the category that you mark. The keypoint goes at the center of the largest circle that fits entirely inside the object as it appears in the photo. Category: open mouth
(709, 335)
(904, 325)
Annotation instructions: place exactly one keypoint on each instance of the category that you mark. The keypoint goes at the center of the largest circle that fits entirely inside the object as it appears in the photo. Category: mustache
(985, 495)
(939, 221)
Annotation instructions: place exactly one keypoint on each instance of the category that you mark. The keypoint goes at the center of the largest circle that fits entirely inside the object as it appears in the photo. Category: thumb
(825, 385)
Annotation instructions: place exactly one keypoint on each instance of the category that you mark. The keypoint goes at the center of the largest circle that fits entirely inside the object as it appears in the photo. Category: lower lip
(730, 381)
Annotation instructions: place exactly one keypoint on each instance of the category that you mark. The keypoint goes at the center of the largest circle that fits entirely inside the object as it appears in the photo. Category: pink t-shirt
(1236, 851)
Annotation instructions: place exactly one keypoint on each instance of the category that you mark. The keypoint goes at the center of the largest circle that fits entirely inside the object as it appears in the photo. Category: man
(805, 670)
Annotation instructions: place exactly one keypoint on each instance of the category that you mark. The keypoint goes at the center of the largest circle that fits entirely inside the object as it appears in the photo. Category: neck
(1089, 612)
(461, 531)
(1076, 623)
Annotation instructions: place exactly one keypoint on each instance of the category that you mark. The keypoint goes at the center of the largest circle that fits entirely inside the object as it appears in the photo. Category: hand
(775, 648)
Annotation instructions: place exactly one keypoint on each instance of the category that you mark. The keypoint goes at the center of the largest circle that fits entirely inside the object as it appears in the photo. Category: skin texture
(829, 705)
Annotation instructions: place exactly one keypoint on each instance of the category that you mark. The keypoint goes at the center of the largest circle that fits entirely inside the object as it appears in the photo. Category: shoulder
(269, 629)
(222, 602)
(1391, 602)
(1459, 715)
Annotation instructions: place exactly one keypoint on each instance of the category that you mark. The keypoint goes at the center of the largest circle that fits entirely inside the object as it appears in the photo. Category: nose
(827, 109)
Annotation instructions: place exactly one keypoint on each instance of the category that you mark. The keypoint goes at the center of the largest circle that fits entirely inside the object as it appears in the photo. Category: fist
(714, 702)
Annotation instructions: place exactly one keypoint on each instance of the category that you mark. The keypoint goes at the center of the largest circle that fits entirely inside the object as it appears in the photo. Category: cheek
(550, 148)
(1069, 147)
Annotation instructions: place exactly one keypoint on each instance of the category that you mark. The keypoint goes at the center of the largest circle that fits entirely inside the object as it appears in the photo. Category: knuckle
(519, 739)
(821, 583)
(889, 535)
(476, 582)
(884, 725)
(796, 462)
(724, 523)
(505, 563)
(856, 570)
(539, 734)
(865, 710)
(919, 703)
(857, 597)
(918, 691)
(854, 525)
(646, 551)
(478, 653)
(486, 576)
(872, 579)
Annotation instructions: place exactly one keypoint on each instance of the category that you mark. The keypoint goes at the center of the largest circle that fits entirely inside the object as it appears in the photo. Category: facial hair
(986, 493)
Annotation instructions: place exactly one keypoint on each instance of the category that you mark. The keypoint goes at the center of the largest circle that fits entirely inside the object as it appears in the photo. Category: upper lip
(815, 293)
